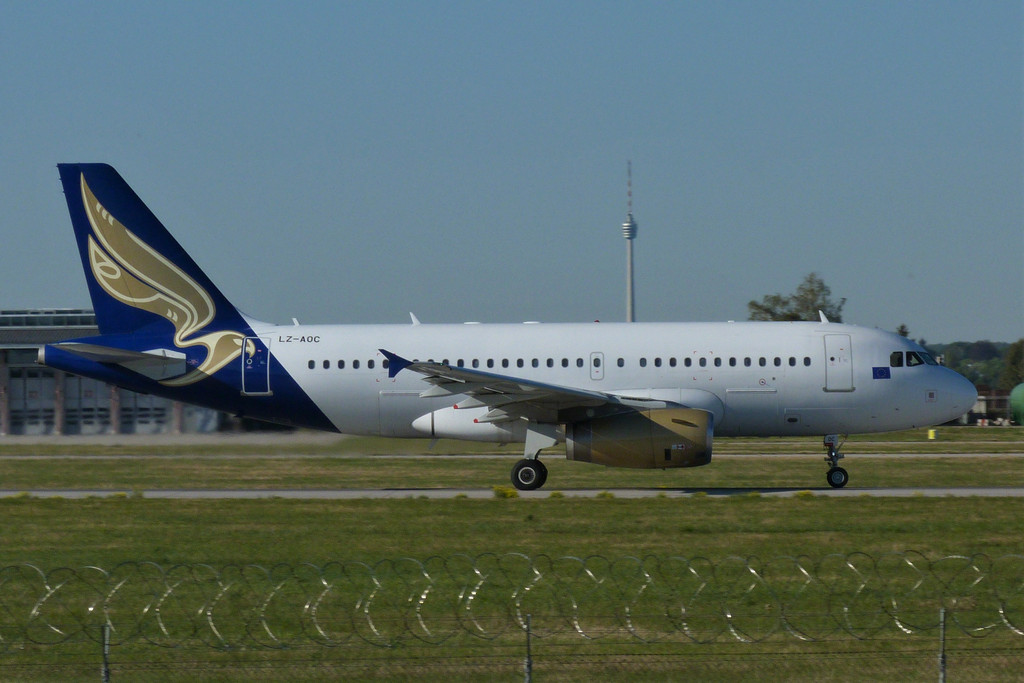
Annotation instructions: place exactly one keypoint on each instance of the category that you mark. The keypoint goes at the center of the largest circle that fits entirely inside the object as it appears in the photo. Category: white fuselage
(757, 379)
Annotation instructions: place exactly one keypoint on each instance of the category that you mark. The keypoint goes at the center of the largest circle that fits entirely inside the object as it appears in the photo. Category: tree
(811, 296)
(903, 331)
(982, 350)
(1013, 366)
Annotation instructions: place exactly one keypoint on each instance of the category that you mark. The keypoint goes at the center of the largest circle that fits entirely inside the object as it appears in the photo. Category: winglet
(821, 313)
(395, 363)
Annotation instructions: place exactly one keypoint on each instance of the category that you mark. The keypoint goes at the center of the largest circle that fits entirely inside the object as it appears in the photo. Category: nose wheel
(836, 476)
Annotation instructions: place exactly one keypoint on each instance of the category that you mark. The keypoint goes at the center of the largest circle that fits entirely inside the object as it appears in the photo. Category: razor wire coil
(645, 599)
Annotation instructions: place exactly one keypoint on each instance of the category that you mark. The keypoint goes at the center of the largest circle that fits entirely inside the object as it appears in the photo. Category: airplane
(637, 395)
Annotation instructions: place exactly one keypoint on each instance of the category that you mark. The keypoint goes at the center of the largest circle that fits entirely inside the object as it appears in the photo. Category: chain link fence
(510, 616)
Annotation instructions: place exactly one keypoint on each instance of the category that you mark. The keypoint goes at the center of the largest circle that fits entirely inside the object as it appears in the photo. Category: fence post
(942, 645)
(105, 671)
(528, 664)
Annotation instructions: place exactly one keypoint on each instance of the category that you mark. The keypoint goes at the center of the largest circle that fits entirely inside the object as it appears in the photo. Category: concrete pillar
(58, 403)
(115, 410)
(177, 417)
(5, 400)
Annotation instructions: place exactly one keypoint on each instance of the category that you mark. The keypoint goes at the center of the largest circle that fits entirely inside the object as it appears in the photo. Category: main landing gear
(837, 476)
(530, 473)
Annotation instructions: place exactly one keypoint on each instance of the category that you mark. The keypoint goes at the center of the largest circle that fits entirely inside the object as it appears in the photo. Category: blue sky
(351, 162)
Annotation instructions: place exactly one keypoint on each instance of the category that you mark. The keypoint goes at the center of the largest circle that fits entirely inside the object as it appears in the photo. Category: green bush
(505, 492)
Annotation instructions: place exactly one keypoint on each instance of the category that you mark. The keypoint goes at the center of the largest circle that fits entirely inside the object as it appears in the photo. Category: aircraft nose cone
(963, 394)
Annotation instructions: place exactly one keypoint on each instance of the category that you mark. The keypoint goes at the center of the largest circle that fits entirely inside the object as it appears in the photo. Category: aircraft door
(596, 365)
(838, 363)
(256, 366)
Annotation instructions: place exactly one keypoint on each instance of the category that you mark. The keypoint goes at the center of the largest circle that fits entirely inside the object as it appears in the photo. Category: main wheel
(528, 475)
(837, 477)
(543, 473)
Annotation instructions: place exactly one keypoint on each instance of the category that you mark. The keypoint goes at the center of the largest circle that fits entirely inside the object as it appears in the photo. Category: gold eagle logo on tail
(135, 274)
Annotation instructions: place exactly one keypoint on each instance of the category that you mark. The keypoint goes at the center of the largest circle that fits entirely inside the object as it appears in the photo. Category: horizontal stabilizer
(157, 364)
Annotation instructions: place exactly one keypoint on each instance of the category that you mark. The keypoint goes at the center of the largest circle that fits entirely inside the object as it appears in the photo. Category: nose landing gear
(836, 476)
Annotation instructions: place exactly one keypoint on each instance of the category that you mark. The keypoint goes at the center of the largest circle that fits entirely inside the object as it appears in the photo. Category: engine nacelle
(464, 423)
(665, 437)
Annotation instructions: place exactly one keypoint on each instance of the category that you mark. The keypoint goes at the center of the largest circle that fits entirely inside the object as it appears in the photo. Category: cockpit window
(913, 358)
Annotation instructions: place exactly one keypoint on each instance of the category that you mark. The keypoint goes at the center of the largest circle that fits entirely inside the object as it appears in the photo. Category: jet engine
(664, 437)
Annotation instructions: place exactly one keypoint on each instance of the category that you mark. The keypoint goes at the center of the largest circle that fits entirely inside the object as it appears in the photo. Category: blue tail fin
(145, 289)
(165, 329)
(139, 276)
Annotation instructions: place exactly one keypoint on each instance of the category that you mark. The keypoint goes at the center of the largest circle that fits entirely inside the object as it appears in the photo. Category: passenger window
(657, 362)
(778, 362)
(312, 364)
(519, 362)
(703, 362)
(535, 363)
(461, 363)
(792, 362)
(369, 363)
(643, 362)
(746, 362)
(732, 362)
(327, 365)
(490, 362)
(672, 362)
(896, 359)
(565, 362)
(762, 361)
(551, 362)
(504, 362)
(688, 362)
(807, 361)
(355, 365)
(579, 362)
(476, 362)
(718, 362)
(621, 362)
(384, 363)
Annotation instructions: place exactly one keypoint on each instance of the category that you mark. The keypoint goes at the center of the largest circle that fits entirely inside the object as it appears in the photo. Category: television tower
(629, 229)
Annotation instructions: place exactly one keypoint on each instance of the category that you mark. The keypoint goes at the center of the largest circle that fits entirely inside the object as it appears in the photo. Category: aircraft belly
(819, 421)
(750, 412)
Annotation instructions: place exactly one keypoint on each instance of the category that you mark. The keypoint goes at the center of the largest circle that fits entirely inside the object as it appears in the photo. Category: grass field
(103, 532)
(53, 532)
(56, 532)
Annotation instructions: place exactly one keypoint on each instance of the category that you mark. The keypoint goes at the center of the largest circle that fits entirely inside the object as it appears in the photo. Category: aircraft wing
(510, 398)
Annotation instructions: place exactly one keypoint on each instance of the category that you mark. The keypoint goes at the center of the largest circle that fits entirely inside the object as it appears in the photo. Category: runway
(441, 493)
